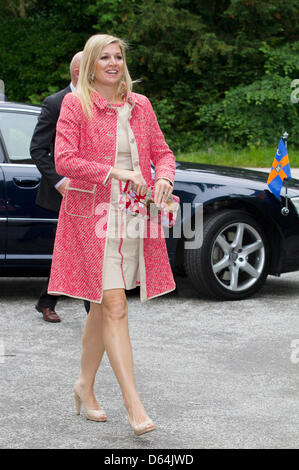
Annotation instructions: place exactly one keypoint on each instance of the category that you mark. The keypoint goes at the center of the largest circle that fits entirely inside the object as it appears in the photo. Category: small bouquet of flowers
(144, 206)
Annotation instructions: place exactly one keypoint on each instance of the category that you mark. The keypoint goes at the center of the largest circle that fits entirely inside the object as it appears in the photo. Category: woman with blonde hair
(108, 135)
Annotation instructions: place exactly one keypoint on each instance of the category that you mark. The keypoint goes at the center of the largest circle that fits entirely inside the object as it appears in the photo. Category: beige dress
(122, 250)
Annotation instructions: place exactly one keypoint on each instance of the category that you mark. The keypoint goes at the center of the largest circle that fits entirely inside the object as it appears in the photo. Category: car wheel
(232, 262)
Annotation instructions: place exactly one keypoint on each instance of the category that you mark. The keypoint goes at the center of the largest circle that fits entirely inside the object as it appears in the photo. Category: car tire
(232, 262)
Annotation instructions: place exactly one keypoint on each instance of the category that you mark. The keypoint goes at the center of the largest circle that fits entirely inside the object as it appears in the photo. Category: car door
(30, 229)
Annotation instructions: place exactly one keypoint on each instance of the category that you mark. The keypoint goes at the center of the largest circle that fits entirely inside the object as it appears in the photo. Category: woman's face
(109, 66)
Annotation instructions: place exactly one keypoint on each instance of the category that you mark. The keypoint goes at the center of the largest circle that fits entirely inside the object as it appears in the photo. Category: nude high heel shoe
(93, 415)
(142, 428)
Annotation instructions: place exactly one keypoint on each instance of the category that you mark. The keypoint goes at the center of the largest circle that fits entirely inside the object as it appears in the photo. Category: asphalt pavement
(211, 374)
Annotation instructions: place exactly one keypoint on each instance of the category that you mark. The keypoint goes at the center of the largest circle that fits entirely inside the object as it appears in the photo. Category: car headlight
(295, 201)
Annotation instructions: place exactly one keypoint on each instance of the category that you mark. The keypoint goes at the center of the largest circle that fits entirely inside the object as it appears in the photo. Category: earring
(92, 76)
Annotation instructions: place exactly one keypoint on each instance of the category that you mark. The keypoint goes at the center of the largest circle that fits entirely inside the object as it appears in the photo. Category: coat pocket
(80, 198)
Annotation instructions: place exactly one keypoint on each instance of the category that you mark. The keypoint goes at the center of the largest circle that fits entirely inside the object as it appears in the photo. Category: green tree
(208, 67)
(259, 112)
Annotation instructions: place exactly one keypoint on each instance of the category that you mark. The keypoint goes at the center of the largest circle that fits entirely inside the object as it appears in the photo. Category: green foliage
(37, 99)
(165, 109)
(214, 71)
(261, 111)
(255, 156)
(33, 61)
(282, 60)
(111, 13)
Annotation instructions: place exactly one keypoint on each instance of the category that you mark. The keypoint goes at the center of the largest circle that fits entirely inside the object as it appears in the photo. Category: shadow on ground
(10, 288)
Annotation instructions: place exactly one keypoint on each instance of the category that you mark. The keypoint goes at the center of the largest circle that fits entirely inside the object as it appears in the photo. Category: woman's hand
(163, 190)
(62, 187)
(139, 183)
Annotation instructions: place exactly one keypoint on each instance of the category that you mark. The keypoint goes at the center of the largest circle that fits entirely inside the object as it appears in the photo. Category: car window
(17, 129)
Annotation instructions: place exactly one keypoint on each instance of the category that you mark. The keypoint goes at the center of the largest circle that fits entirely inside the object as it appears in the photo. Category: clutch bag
(145, 207)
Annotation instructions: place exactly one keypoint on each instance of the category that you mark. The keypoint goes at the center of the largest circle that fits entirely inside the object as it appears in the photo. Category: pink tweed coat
(85, 152)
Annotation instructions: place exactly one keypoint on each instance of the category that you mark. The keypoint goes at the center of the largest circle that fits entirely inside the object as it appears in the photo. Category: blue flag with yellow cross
(280, 169)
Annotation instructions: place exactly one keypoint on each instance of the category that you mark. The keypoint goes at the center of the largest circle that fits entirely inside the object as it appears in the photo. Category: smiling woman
(108, 135)
(103, 68)
(109, 68)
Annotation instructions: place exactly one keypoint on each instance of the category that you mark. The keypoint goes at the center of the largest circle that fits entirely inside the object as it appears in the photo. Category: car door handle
(26, 182)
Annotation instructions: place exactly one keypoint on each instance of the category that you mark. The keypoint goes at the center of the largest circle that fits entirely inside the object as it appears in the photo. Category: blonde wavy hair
(91, 52)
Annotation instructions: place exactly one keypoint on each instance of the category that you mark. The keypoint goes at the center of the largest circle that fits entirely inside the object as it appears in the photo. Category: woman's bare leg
(118, 347)
(92, 353)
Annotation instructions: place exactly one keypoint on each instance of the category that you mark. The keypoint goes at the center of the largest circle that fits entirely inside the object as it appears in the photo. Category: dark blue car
(230, 235)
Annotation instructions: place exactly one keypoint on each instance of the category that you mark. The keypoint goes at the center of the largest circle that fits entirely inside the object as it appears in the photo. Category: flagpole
(285, 210)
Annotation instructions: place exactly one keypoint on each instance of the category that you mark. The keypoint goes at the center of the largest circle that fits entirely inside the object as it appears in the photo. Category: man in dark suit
(52, 185)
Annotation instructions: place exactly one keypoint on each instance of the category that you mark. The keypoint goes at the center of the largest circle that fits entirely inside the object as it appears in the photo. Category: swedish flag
(280, 169)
